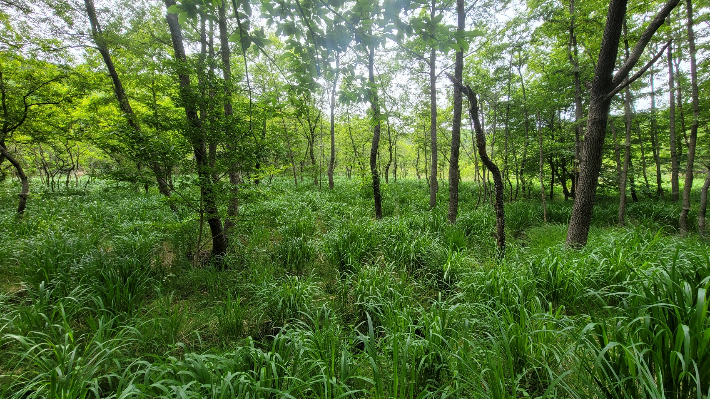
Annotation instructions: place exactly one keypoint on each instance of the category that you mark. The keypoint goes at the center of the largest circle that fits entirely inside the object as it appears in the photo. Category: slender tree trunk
(527, 130)
(389, 151)
(497, 178)
(196, 137)
(375, 105)
(225, 53)
(456, 123)
(578, 110)
(605, 85)
(331, 161)
(694, 125)
(434, 183)
(541, 166)
(703, 204)
(671, 126)
(627, 159)
(123, 101)
(654, 139)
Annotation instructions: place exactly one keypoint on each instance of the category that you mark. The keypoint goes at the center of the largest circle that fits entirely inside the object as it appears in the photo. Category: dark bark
(703, 204)
(375, 105)
(389, 151)
(24, 180)
(694, 125)
(456, 123)
(604, 85)
(497, 178)
(195, 136)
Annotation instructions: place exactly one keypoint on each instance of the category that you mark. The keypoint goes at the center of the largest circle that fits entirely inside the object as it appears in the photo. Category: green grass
(103, 294)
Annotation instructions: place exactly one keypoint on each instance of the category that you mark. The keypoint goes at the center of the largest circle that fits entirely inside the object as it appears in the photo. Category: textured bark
(703, 204)
(497, 178)
(604, 85)
(671, 128)
(375, 105)
(456, 123)
(694, 125)
(196, 137)
(627, 159)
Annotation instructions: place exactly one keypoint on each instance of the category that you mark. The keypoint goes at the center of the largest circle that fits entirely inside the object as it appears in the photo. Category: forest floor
(103, 294)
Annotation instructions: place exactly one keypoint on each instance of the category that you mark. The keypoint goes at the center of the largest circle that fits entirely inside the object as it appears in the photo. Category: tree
(454, 175)
(605, 86)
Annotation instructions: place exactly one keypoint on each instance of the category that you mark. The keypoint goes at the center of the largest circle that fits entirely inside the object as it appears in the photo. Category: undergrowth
(104, 294)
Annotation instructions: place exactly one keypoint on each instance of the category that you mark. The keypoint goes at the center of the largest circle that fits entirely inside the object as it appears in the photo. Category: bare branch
(638, 74)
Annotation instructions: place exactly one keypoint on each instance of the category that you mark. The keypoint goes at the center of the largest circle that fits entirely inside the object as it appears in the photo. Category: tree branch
(645, 38)
(638, 74)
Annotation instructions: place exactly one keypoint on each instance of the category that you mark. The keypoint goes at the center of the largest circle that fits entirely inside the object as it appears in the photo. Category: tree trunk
(434, 183)
(389, 151)
(195, 135)
(497, 178)
(375, 105)
(671, 126)
(24, 180)
(331, 161)
(694, 125)
(123, 101)
(233, 203)
(456, 123)
(627, 159)
(578, 111)
(654, 139)
(703, 204)
(541, 165)
(604, 86)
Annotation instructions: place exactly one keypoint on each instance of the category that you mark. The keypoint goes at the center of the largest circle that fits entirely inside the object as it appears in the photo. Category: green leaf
(174, 9)
(182, 18)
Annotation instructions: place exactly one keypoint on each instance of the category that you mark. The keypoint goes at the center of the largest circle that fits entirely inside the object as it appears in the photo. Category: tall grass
(100, 297)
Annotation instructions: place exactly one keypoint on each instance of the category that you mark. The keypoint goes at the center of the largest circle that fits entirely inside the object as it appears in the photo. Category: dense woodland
(347, 198)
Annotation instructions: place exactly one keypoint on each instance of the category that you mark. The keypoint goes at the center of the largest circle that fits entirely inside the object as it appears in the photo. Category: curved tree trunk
(24, 181)
(497, 178)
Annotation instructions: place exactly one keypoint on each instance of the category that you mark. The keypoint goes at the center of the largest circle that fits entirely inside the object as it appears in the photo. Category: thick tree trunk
(604, 86)
(375, 105)
(197, 140)
(497, 178)
(456, 123)
(694, 125)
(671, 126)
